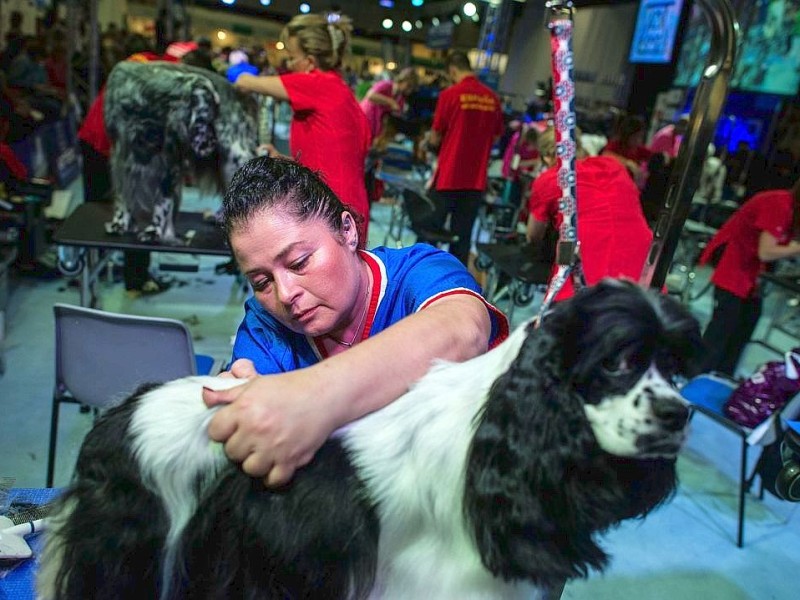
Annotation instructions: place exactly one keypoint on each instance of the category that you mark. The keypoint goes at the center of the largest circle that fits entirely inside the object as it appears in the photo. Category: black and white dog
(489, 479)
(168, 121)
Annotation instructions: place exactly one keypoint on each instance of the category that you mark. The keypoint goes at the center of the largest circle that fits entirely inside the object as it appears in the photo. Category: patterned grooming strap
(567, 256)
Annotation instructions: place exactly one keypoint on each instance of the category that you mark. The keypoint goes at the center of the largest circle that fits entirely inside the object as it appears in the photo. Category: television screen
(768, 53)
(656, 26)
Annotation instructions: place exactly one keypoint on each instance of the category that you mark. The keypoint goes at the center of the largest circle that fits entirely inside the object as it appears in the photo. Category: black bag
(770, 462)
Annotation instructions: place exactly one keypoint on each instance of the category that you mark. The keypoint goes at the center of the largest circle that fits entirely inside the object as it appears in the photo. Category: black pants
(97, 188)
(731, 327)
(463, 207)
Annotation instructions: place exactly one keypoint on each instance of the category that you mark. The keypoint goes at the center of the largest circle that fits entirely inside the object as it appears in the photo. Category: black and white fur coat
(489, 479)
(167, 121)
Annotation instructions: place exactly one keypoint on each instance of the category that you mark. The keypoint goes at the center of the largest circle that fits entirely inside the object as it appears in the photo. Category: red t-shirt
(739, 266)
(14, 165)
(330, 134)
(469, 118)
(613, 234)
(638, 154)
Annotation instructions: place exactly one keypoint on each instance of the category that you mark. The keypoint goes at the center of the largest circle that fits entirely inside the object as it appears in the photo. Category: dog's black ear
(524, 497)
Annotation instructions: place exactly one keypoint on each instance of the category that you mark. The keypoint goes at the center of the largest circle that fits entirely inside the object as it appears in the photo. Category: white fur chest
(412, 456)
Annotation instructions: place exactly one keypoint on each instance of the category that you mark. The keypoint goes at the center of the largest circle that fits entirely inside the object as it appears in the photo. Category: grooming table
(85, 246)
(18, 583)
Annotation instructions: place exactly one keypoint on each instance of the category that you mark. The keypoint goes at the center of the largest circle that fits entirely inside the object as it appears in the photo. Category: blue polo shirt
(405, 280)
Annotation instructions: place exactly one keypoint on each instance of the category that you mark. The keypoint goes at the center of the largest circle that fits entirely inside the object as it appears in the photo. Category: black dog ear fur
(538, 488)
(521, 498)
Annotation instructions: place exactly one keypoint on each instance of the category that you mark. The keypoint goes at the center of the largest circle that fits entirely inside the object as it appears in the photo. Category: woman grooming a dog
(329, 131)
(332, 332)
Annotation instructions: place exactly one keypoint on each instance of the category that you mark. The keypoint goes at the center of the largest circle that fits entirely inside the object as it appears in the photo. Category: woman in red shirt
(329, 131)
(763, 230)
(627, 146)
(614, 236)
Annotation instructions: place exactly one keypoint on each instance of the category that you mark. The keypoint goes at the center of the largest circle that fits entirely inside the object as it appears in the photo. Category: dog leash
(568, 259)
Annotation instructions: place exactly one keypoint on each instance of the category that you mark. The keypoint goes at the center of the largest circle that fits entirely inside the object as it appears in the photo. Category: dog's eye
(617, 366)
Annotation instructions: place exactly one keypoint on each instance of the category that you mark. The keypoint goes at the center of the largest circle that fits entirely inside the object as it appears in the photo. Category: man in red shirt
(467, 121)
(763, 230)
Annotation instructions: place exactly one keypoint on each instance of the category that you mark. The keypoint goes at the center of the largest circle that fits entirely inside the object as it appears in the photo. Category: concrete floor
(685, 550)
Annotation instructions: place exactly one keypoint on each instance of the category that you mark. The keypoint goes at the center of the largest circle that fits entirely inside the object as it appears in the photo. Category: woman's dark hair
(629, 126)
(265, 183)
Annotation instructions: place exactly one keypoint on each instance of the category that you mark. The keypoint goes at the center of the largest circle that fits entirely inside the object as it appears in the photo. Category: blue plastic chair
(102, 357)
(707, 394)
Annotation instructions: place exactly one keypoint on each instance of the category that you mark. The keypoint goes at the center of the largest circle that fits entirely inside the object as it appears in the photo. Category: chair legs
(744, 485)
(51, 452)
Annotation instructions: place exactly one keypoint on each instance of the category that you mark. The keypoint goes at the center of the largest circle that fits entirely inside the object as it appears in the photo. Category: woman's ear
(349, 230)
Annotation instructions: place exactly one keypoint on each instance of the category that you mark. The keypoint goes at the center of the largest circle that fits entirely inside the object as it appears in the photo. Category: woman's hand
(271, 425)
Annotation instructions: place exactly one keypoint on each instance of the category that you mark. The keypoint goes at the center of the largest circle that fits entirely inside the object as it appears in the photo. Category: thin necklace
(360, 323)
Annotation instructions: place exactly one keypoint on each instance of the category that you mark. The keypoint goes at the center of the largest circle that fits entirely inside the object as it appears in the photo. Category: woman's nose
(287, 289)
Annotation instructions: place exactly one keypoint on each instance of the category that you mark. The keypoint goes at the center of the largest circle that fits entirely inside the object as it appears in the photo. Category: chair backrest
(102, 357)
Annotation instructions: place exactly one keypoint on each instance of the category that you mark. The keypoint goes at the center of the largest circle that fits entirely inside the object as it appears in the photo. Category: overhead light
(417, 2)
(280, 45)
(469, 9)
(435, 21)
(228, 2)
(266, 2)
(387, 23)
(386, 3)
(221, 35)
(305, 8)
(418, 24)
(456, 19)
(475, 17)
(391, 65)
(406, 26)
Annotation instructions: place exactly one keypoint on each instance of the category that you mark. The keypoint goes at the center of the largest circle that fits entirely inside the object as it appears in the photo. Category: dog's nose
(671, 412)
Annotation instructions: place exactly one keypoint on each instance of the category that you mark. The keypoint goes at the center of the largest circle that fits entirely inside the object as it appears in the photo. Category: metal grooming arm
(706, 108)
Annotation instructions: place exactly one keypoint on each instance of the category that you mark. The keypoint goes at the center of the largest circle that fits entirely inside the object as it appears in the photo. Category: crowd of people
(298, 221)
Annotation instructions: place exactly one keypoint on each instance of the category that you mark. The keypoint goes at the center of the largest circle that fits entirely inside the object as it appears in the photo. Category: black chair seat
(434, 236)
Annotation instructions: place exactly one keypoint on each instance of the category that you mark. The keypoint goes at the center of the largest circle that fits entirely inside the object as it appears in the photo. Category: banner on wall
(656, 28)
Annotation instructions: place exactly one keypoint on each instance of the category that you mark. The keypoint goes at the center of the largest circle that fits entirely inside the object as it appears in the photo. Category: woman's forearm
(380, 369)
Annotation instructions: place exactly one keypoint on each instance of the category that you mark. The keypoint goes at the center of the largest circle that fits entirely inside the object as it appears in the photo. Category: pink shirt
(525, 152)
(374, 111)
(666, 141)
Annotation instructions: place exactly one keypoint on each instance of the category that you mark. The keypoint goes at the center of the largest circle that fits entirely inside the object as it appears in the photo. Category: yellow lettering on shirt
(482, 102)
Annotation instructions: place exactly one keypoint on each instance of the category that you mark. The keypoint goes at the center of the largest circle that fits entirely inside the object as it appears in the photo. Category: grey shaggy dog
(168, 121)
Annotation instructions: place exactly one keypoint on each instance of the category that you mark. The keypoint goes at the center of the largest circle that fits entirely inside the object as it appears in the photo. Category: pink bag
(765, 391)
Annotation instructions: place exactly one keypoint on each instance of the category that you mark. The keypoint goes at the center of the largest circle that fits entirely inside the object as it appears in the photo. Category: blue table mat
(18, 583)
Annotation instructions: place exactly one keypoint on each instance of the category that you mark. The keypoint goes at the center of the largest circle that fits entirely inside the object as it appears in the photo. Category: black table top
(788, 281)
(86, 227)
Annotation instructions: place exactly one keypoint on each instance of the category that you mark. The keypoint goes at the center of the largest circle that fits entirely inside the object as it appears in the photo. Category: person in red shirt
(329, 132)
(613, 233)
(11, 167)
(466, 123)
(763, 230)
(627, 146)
